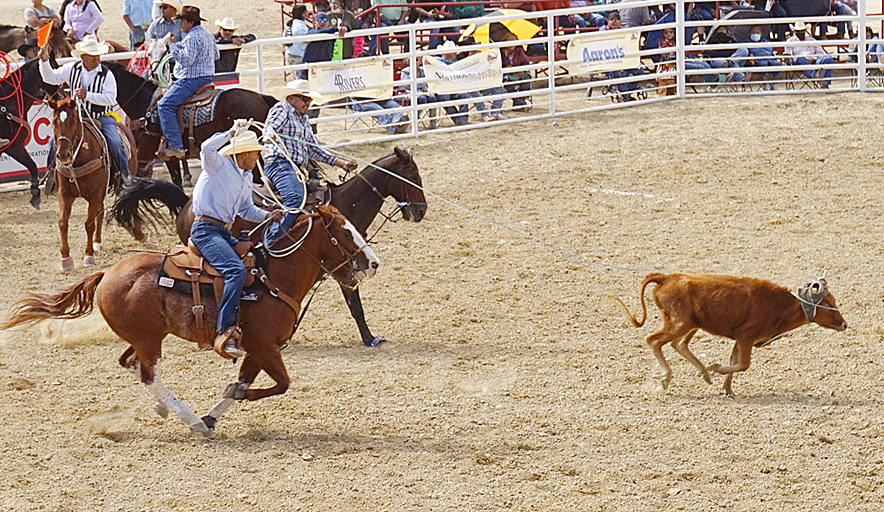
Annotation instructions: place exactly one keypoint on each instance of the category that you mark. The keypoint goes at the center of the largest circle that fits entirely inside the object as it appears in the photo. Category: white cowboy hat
(798, 26)
(301, 87)
(172, 3)
(227, 23)
(449, 45)
(90, 46)
(242, 143)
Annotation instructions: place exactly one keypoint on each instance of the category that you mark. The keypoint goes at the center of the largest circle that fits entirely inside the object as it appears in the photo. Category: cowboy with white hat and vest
(95, 87)
(287, 134)
(221, 193)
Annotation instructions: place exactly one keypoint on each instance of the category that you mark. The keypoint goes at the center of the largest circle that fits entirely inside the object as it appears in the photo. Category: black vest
(94, 110)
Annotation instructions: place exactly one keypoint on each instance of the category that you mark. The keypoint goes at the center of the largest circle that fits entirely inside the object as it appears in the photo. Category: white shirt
(108, 95)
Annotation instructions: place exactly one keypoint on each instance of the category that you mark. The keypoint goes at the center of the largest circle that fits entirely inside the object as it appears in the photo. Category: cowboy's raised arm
(54, 76)
(209, 155)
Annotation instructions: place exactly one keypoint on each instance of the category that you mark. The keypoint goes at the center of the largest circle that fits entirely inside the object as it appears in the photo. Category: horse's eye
(348, 235)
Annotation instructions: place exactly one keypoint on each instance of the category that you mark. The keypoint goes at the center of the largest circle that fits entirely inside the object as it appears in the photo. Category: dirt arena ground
(509, 381)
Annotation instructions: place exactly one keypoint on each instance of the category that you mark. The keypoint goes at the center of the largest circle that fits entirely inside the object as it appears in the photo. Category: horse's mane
(380, 162)
(6, 27)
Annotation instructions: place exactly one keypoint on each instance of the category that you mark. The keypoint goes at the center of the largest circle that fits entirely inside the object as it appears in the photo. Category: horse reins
(15, 77)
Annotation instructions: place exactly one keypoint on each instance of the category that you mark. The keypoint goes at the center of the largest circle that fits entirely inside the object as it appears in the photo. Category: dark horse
(17, 92)
(143, 313)
(11, 37)
(359, 199)
(137, 96)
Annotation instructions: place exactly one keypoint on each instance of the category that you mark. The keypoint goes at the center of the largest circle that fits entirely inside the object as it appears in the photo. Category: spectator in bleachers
(592, 18)
(80, 18)
(319, 51)
(613, 23)
(873, 54)
(338, 17)
(393, 122)
(762, 57)
(387, 17)
(29, 50)
(167, 23)
(423, 97)
(225, 35)
(38, 15)
(440, 13)
(459, 113)
(653, 37)
(631, 17)
(513, 56)
(808, 54)
(725, 57)
(294, 54)
(841, 8)
(464, 12)
(778, 31)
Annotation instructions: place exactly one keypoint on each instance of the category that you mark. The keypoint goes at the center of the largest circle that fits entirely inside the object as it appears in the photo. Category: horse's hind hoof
(188, 184)
(67, 264)
(377, 340)
(162, 410)
(89, 261)
(35, 199)
(201, 428)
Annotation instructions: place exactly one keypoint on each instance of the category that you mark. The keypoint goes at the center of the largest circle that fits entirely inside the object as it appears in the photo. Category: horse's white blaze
(172, 403)
(373, 261)
(62, 116)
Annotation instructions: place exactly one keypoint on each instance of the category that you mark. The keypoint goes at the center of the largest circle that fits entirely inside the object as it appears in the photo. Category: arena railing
(554, 92)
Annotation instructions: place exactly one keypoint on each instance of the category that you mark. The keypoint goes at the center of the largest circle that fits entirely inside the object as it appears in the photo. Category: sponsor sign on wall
(372, 78)
(474, 73)
(40, 119)
(603, 51)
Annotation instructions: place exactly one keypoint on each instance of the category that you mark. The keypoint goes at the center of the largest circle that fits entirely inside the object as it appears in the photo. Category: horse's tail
(141, 200)
(73, 302)
(269, 100)
(655, 278)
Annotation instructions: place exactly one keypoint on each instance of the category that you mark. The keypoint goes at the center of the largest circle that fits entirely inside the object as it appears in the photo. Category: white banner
(474, 73)
(603, 51)
(372, 78)
(40, 119)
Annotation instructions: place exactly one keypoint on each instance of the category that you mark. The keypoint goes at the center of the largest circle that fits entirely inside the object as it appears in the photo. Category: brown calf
(751, 311)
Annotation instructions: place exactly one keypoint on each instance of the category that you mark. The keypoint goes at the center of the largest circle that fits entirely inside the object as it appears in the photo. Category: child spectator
(761, 57)
(294, 54)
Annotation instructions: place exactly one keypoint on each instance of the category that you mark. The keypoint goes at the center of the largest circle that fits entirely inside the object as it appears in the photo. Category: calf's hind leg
(741, 358)
(681, 346)
(656, 341)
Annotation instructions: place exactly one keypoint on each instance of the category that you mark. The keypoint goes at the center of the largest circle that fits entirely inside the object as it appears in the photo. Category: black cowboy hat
(190, 13)
(27, 45)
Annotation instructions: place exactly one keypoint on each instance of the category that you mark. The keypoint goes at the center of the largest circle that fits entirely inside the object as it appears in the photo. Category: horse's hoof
(67, 264)
(96, 247)
(201, 428)
(377, 340)
(89, 261)
(210, 421)
(35, 200)
(162, 410)
(187, 183)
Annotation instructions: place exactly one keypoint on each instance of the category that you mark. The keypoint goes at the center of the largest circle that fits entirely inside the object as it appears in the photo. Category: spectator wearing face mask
(339, 17)
(762, 57)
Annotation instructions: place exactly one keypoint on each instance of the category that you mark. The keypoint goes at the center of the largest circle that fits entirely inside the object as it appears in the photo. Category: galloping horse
(143, 313)
(137, 96)
(359, 199)
(83, 170)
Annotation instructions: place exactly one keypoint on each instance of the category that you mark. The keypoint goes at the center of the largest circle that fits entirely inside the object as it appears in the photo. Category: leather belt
(212, 220)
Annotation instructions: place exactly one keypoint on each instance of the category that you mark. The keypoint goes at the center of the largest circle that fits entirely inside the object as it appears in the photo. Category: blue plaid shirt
(294, 128)
(195, 56)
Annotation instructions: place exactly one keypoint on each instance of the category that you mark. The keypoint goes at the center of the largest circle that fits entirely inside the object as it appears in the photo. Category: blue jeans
(495, 104)
(736, 60)
(285, 179)
(690, 64)
(168, 107)
(811, 73)
(114, 143)
(388, 120)
(627, 87)
(136, 38)
(216, 245)
(460, 113)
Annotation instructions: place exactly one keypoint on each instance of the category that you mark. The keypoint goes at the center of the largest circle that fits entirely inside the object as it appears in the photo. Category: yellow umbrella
(487, 30)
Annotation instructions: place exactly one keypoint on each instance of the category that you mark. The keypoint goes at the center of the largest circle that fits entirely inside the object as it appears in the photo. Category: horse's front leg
(174, 171)
(151, 376)
(186, 171)
(94, 215)
(65, 202)
(354, 302)
(233, 392)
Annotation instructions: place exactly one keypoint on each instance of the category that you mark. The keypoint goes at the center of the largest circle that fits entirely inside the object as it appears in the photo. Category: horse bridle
(78, 134)
(348, 257)
(397, 205)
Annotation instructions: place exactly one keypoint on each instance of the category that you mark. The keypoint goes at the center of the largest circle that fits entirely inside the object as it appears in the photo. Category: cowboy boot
(227, 343)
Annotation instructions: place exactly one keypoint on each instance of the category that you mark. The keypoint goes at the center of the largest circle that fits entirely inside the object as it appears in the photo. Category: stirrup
(226, 349)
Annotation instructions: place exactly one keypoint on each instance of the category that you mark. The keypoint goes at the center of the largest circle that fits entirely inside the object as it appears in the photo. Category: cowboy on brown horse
(221, 193)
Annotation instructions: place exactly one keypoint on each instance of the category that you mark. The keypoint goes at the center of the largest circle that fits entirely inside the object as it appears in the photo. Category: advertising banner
(603, 51)
(372, 78)
(474, 73)
(40, 119)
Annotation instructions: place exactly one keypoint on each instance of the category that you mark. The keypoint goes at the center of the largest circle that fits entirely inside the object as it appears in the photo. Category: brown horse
(11, 37)
(83, 170)
(143, 313)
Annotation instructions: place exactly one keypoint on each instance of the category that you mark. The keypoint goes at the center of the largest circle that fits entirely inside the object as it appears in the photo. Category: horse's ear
(52, 103)
(403, 155)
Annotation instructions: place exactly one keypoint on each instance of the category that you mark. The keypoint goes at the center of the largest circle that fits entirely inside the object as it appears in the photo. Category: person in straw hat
(225, 35)
(195, 57)
(808, 54)
(288, 135)
(221, 193)
(166, 23)
(93, 84)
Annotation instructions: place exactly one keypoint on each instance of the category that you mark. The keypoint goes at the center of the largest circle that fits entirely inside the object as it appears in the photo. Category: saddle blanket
(203, 115)
(252, 292)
